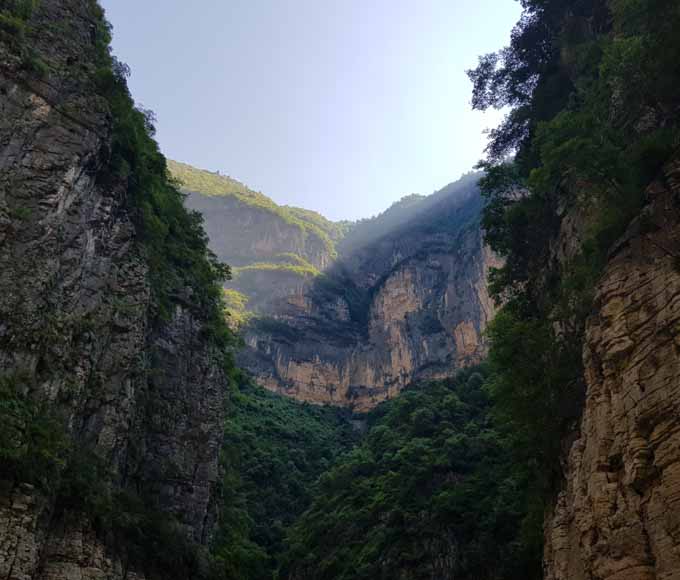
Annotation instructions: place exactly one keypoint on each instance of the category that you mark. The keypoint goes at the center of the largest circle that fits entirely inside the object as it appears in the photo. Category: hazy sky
(342, 106)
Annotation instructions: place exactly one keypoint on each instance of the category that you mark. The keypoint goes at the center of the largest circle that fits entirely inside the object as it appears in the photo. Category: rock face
(618, 516)
(242, 233)
(77, 325)
(408, 304)
(351, 314)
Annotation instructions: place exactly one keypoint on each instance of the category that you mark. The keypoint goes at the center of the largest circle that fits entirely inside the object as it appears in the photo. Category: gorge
(199, 383)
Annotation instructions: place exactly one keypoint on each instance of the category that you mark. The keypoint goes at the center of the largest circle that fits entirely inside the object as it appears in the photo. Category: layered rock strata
(618, 516)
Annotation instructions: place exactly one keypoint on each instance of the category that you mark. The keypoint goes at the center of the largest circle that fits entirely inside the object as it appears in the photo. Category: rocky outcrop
(410, 305)
(78, 326)
(618, 516)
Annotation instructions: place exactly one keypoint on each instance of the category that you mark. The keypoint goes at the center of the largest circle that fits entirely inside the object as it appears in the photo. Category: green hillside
(431, 491)
(336, 230)
(213, 184)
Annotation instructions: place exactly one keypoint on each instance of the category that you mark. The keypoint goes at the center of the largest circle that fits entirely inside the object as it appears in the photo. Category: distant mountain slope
(405, 301)
(273, 250)
(335, 230)
(408, 210)
(224, 189)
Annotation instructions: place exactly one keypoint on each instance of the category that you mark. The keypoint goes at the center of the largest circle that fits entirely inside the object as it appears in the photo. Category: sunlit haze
(341, 106)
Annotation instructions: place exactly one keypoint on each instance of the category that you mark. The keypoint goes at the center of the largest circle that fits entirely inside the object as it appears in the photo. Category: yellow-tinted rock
(618, 517)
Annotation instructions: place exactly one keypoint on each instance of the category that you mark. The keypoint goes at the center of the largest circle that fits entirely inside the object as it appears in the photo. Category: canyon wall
(80, 338)
(394, 299)
(424, 319)
(618, 515)
(242, 233)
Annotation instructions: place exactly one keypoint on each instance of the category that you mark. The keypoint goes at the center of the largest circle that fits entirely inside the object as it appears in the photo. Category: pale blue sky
(342, 106)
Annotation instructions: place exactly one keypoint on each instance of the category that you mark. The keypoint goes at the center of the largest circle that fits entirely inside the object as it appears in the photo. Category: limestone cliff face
(77, 325)
(618, 516)
(242, 233)
(351, 314)
(274, 250)
(410, 305)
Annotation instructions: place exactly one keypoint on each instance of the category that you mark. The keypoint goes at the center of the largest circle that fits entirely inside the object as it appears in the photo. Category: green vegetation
(14, 27)
(592, 88)
(302, 268)
(235, 307)
(208, 183)
(274, 451)
(33, 442)
(14, 15)
(335, 230)
(290, 258)
(431, 492)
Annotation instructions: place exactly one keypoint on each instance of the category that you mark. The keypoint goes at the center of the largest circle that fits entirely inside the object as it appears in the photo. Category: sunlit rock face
(405, 299)
(618, 514)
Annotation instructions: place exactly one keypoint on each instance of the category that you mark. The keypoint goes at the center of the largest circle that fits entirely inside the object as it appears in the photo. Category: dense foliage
(33, 442)
(235, 308)
(336, 230)
(592, 87)
(430, 493)
(274, 451)
(14, 27)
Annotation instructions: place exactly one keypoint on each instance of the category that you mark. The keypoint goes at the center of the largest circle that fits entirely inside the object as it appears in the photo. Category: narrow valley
(481, 383)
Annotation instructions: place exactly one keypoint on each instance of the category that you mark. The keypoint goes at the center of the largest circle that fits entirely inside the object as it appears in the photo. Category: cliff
(351, 316)
(247, 227)
(617, 517)
(410, 306)
(112, 411)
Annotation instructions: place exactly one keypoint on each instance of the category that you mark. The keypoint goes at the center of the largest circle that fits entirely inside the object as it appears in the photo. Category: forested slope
(431, 492)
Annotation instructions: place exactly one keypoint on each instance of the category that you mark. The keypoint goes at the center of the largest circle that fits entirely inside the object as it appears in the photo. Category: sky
(341, 106)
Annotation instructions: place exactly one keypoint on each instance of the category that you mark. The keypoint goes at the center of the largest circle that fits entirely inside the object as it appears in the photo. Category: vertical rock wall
(77, 328)
(618, 516)
(425, 317)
